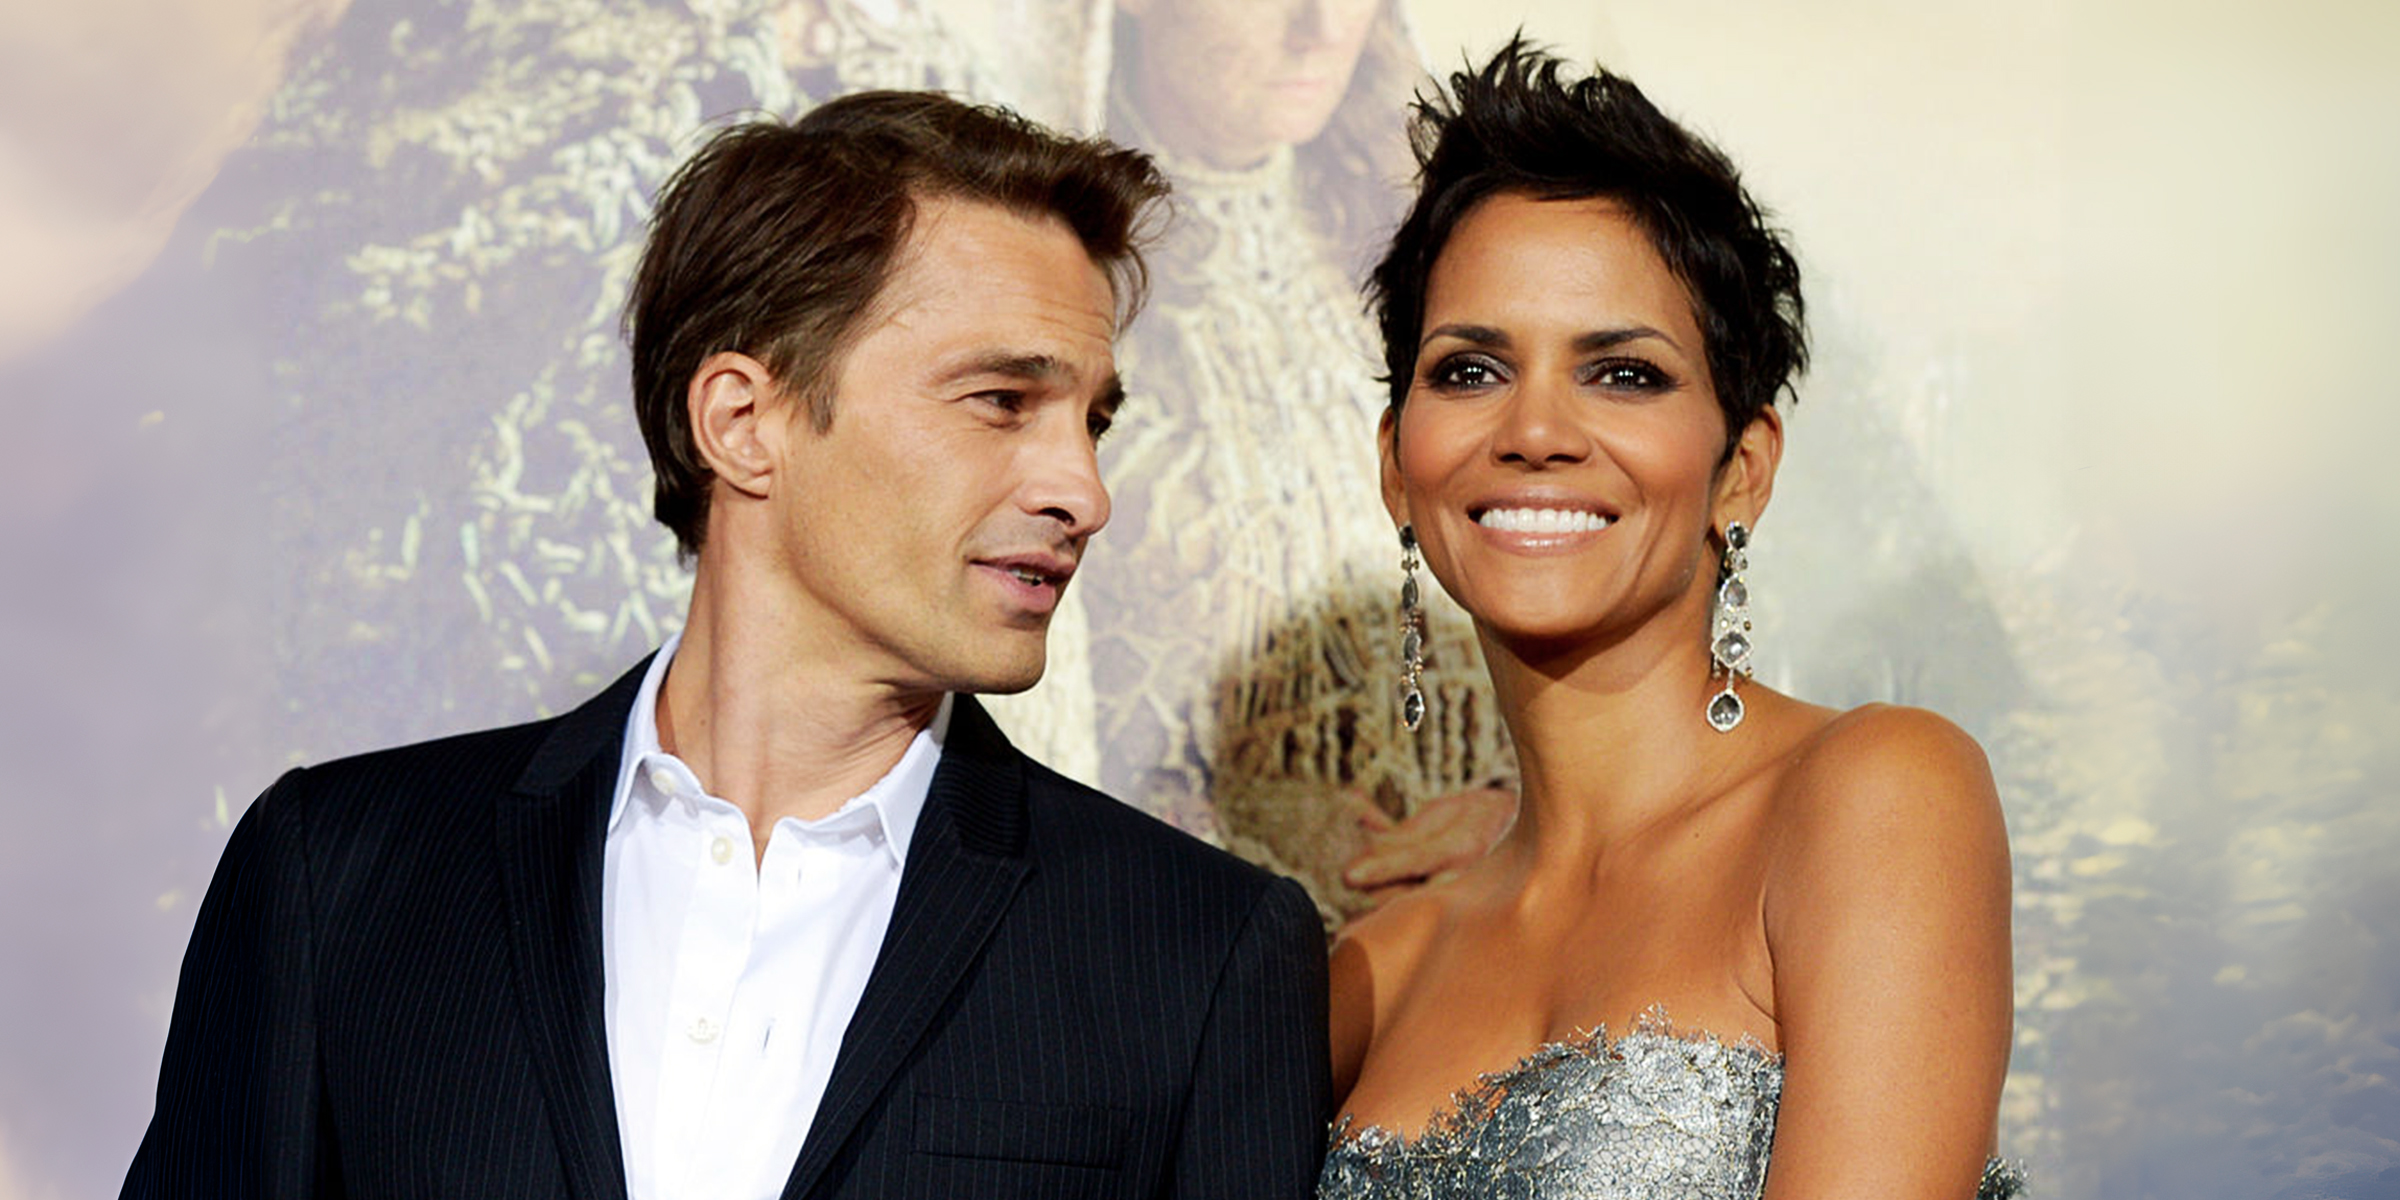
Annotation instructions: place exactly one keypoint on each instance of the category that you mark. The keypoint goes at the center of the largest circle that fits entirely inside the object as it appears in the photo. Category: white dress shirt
(730, 977)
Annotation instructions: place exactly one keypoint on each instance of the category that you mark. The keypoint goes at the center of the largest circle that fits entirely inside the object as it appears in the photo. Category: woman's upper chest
(1494, 982)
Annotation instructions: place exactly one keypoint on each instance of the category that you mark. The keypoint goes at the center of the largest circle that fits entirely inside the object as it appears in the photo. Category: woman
(1728, 927)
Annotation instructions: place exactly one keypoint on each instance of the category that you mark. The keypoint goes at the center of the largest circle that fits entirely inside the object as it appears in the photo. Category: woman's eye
(1628, 374)
(1465, 371)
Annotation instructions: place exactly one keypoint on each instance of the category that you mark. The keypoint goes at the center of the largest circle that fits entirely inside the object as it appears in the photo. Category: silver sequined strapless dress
(1653, 1115)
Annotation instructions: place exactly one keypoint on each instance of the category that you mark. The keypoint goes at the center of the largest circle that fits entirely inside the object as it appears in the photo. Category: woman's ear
(736, 420)
(1747, 480)
(1387, 445)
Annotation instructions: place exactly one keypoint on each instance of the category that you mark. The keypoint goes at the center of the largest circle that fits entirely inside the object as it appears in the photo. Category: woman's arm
(1886, 912)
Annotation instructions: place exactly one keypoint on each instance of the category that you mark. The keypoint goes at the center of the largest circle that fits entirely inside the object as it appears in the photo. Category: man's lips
(1033, 569)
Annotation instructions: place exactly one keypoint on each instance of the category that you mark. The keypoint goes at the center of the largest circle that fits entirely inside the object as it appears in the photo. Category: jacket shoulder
(541, 753)
(1082, 829)
(478, 761)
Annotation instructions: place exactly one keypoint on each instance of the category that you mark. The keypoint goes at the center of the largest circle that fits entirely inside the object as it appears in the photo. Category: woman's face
(1226, 81)
(1558, 449)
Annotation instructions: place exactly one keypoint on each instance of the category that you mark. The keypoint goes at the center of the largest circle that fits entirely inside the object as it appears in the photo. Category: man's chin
(1006, 678)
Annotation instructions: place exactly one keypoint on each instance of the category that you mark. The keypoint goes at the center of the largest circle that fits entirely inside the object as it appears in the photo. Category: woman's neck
(1609, 734)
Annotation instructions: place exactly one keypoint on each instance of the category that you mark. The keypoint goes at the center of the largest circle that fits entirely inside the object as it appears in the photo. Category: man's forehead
(949, 227)
(971, 264)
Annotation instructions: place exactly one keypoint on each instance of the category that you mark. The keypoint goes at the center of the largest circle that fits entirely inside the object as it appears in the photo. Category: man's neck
(769, 722)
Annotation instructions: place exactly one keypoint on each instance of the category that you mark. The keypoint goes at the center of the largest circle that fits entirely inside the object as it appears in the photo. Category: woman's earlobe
(1749, 480)
(1387, 454)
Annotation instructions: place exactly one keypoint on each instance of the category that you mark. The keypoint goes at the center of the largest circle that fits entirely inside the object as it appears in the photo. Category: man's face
(931, 529)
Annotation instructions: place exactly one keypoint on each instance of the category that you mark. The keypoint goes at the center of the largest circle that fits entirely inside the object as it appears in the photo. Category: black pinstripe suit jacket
(394, 989)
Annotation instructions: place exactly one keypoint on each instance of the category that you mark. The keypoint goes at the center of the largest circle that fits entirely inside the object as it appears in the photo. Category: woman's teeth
(1542, 520)
(1029, 575)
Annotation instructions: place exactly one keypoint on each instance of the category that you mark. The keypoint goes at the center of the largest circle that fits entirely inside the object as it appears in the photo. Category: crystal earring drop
(1729, 634)
(1412, 634)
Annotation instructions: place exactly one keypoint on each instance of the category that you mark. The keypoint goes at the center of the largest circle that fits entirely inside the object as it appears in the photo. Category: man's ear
(738, 417)
(1747, 480)
(1387, 445)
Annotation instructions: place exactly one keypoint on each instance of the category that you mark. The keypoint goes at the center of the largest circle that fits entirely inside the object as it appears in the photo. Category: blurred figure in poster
(110, 128)
(1241, 612)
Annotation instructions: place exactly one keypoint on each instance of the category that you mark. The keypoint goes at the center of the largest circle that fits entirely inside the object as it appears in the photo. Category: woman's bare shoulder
(1883, 754)
(1885, 784)
(1374, 957)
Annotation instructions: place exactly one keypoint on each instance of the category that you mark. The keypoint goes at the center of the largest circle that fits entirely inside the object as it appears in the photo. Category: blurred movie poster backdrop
(319, 440)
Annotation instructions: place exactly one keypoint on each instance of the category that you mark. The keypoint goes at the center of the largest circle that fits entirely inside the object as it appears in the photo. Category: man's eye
(1003, 399)
(1098, 426)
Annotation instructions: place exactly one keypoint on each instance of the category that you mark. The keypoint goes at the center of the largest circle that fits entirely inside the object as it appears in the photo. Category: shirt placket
(718, 930)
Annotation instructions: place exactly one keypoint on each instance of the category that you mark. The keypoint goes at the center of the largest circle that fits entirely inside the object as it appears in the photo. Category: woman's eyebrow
(1606, 339)
(1481, 335)
(1585, 343)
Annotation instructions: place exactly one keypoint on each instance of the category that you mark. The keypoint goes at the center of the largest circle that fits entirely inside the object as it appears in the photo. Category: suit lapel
(965, 862)
(551, 836)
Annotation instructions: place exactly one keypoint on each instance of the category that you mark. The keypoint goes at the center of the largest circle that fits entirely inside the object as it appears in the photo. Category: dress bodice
(1651, 1114)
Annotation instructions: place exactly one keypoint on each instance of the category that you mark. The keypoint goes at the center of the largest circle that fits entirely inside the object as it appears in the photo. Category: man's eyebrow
(1008, 365)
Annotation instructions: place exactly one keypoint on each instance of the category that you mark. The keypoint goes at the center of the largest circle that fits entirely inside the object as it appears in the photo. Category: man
(781, 912)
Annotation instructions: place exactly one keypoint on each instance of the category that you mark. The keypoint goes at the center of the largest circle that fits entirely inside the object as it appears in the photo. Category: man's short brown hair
(777, 237)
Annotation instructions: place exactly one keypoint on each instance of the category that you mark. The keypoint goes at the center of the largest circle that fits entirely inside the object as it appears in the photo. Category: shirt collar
(897, 799)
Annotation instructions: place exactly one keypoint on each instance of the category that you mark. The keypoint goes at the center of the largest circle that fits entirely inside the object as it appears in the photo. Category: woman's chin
(1558, 636)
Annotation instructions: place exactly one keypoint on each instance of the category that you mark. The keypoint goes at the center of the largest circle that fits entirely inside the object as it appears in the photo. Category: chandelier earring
(1412, 635)
(1729, 633)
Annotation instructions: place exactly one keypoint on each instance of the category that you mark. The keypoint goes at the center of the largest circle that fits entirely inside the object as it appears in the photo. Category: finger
(1413, 858)
(1378, 897)
(1366, 872)
(1375, 869)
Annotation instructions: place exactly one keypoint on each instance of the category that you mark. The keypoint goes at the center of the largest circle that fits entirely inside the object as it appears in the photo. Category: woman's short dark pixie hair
(776, 238)
(1516, 126)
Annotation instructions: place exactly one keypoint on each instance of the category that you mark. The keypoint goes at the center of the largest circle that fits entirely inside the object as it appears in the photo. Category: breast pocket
(1072, 1135)
(1009, 1148)
(1014, 1150)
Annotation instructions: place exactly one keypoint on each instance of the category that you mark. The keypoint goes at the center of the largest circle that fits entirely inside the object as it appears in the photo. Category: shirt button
(662, 780)
(721, 850)
(703, 1031)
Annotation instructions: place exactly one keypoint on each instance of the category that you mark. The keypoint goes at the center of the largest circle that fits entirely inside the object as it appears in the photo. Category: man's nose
(1063, 483)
